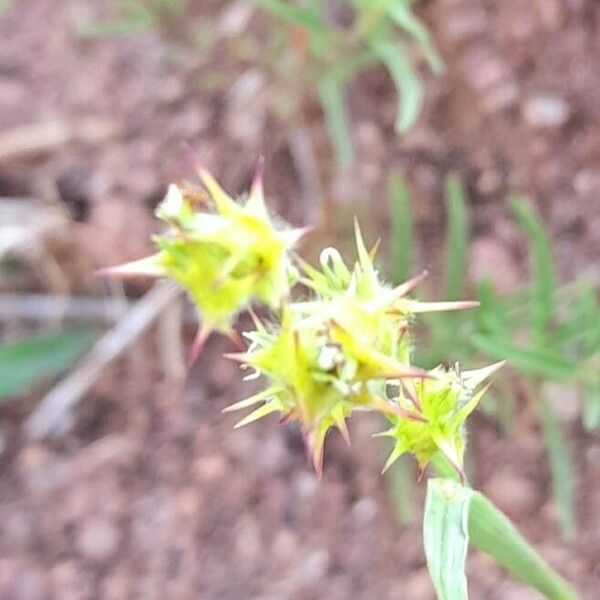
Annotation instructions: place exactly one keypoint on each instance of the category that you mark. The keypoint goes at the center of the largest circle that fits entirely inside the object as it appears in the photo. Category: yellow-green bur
(445, 403)
(197, 266)
(225, 260)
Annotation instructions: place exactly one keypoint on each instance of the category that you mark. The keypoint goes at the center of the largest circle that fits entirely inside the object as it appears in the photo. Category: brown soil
(153, 494)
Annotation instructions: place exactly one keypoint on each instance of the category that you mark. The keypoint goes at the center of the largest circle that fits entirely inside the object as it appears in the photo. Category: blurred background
(463, 133)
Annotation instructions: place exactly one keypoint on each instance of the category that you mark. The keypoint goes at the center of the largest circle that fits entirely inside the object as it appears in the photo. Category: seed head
(444, 400)
(224, 253)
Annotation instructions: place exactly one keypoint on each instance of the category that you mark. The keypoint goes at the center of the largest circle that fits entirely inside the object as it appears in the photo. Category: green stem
(493, 533)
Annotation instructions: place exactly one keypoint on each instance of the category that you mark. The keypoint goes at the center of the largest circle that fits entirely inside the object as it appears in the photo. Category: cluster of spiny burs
(343, 347)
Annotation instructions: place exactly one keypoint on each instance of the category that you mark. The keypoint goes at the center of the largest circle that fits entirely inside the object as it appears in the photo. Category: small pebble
(364, 510)
(546, 111)
(314, 566)
(98, 540)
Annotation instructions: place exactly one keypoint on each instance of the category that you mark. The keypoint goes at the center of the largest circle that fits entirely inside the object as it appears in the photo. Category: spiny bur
(225, 253)
(444, 401)
(337, 352)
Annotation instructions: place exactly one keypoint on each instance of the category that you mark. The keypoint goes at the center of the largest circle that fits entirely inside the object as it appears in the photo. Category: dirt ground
(153, 493)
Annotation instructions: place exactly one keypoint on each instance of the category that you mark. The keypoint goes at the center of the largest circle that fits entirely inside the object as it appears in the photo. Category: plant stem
(493, 533)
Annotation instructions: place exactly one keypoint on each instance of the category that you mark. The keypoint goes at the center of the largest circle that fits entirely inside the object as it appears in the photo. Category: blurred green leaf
(136, 16)
(401, 246)
(26, 362)
(492, 532)
(544, 283)
(296, 15)
(490, 315)
(561, 467)
(532, 361)
(446, 536)
(400, 11)
(331, 94)
(591, 404)
(457, 237)
(406, 81)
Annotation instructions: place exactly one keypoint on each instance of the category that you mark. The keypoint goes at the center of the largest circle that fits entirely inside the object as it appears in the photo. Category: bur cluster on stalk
(340, 346)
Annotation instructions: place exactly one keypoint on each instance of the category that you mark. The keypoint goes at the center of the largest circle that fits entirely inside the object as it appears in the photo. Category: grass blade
(331, 94)
(561, 469)
(296, 15)
(533, 361)
(491, 532)
(457, 237)
(407, 84)
(544, 283)
(25, 363)
(401, 246)
(400, 12)
(446, 537)
(591, 405)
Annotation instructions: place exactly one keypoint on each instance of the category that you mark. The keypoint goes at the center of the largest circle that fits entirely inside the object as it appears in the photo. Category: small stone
(485, 70)
(40, 469)
(587, 182)
(314, 566)
(305, 485)
(98, 540)
(210, 468)
(552, 13)
(365, 510)
(235, 18)
(546, 111)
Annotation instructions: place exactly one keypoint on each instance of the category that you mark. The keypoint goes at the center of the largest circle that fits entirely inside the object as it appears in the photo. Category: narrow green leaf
(117, 27)
(591, 405)
(533, 361)
(331, 94)
(561, 468)
(296, 15)
(402, 14)
(405, 79)
(446, 537)
(25, 363)
(134, 16)
(589, 309)
(491, 532)
(544, 283)
(457, 237)
(491, 314)
(401, 246)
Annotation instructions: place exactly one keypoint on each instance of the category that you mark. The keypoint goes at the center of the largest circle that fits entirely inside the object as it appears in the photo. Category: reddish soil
(153, 493)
